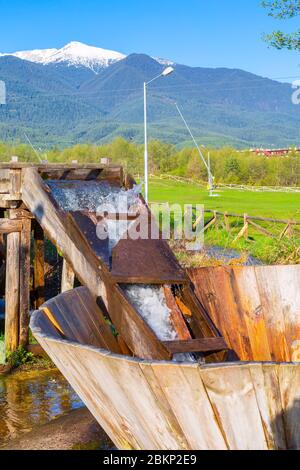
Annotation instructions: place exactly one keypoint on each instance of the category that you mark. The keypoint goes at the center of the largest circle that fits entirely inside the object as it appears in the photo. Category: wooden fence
(223, 220)
(238, 187)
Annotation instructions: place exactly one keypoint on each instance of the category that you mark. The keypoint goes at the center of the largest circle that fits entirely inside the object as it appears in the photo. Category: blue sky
(207, 33)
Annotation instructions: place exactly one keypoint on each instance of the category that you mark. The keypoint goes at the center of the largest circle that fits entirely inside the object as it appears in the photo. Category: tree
(282, 10)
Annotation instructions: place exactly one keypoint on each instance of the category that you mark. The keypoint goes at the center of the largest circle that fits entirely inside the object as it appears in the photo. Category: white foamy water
(150, 302)
(92, 195)
(98, 197)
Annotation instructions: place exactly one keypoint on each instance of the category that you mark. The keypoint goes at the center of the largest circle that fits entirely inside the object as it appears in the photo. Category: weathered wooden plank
(289, 379)
(112, 174)
(68, 277)
(196, 345)
(232, 395)
(77, 315)
(200, 322)
(73, 248)
(39, 265)
(246, 294)
(267, 389)
(176, 317)
(10, 226)
(160, 405)
(204, 289)
(5, 187)
(129, 378)
(188, 399)
(288, 282)
(271, 301)
(25, 282)
(15, 179)
(162, 402)
(12, 292)
(255, 308)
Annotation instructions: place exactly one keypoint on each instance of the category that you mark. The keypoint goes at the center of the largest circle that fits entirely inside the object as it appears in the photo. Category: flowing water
(94, 196)
(29, 399)
(150, 303)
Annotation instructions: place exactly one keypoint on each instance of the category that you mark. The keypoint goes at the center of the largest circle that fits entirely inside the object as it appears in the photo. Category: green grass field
(271, 205)
(261, 204)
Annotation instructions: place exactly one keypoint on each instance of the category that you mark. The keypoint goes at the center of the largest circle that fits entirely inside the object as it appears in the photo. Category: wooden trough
(167, 405)
(31, 206)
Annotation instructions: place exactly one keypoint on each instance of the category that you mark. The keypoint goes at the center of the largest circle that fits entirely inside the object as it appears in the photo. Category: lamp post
(165, 73)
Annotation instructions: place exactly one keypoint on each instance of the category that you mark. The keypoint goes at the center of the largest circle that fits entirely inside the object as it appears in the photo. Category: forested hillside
(63, 105)
(228, 165)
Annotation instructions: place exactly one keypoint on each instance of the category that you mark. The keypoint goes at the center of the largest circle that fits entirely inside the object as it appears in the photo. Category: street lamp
(165, 73)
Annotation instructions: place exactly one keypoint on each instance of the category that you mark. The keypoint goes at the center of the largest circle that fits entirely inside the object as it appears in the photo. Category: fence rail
(223, 219)
(237, 187)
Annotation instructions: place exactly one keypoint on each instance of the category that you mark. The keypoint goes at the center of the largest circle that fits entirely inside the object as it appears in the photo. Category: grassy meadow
(262, 204)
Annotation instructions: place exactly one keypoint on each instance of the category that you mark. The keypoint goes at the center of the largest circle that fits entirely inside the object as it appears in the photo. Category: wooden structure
(257, 309)
(31, 205)
(167, 405)
(287, 228)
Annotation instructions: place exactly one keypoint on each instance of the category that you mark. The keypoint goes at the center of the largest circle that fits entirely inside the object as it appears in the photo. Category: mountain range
(86, 94)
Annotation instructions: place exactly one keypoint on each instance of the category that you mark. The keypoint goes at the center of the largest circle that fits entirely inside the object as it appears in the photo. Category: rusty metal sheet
(87, 223)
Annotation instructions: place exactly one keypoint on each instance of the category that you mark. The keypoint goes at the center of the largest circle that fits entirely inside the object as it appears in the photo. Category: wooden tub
(165, 405)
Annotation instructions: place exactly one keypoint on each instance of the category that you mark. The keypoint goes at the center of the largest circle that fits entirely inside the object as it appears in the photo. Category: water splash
(91, 195)
(150, 303)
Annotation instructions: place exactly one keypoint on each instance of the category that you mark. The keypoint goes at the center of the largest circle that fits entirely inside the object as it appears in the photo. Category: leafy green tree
(282, 10)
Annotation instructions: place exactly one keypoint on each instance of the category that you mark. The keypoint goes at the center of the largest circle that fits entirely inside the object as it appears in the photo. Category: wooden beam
(203, 345)
(10, 226)
(39, 261)
(25, 282)
(12, 292)
(263, 230)
(68, 277)
(176, 317)
(227, 222)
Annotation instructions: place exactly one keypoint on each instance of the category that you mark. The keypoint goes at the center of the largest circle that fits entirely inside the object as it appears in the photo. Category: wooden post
(25, 282)
(68, 277)
(227, 222)
(12, 292)
(245, 230)
(39, 259)
(289, 232)
(246, 226)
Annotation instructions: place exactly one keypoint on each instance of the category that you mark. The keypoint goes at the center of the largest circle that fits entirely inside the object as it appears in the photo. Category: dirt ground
(76, 431)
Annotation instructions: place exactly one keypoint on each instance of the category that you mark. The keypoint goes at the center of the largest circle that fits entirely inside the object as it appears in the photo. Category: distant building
(274, 152)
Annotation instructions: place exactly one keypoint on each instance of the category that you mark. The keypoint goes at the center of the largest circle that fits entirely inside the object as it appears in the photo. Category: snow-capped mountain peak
(74, 54)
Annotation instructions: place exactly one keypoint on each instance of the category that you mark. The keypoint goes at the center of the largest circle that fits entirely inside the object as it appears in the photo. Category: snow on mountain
(74, 54)
(165, 62)
(37, 55)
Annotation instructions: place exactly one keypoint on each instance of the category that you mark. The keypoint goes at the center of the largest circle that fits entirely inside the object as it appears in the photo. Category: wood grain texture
(153, 405)
(67, 277)
(256, 308)
(25, 282)
(12, 291)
